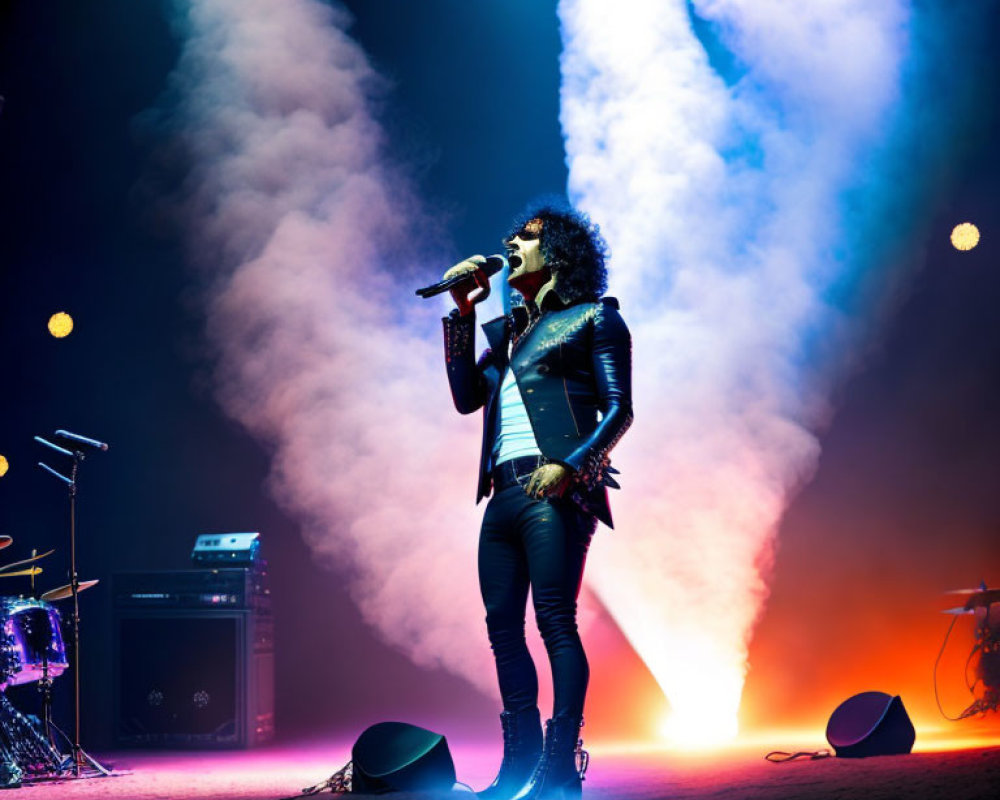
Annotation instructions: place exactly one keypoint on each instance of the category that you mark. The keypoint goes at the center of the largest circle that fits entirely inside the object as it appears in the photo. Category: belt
(515, 471)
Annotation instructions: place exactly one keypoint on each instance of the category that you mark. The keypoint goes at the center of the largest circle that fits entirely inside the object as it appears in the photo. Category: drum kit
(982, 603)
(32, 650)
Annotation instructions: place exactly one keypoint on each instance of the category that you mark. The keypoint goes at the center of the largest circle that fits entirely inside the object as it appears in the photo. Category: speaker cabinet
(870, 724)
(193, 678)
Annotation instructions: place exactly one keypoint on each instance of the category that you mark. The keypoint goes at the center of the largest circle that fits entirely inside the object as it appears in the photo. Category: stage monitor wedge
(870, 724)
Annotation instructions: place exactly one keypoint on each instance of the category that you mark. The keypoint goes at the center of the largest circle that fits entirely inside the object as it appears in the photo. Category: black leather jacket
(573, 365)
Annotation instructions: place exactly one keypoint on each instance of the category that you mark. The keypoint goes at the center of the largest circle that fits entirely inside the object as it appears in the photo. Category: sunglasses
(531, 230)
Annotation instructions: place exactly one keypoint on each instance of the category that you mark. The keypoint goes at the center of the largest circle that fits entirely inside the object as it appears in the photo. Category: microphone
(78, 439)
(59, 475)
(60, 450)
(491, 267)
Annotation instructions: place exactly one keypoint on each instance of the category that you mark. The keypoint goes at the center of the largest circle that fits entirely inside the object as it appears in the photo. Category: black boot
(522, 747)
(559, 772)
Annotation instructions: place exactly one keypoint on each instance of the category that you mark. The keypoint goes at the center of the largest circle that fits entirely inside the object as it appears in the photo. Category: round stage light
(60, 325)
(3, 466)
(965, 236)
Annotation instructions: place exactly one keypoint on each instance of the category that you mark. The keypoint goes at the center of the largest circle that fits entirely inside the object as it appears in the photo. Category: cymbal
(958, 611)
(983, 598)
(62, 592)
(978, 598)
(24, 561)
(21, 572)
(6, 541)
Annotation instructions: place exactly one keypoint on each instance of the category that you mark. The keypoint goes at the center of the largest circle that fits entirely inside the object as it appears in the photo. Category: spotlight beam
(731, 202)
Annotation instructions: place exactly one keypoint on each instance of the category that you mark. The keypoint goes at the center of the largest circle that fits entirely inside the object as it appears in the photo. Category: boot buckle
(581, 758)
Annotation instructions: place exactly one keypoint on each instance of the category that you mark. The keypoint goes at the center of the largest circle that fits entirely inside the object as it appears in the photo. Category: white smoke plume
(724, 198)
(297, 219)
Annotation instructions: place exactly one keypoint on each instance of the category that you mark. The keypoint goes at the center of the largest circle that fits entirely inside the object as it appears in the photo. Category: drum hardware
(986, 644)
(26, 750)
(45, 689)
(62, 592)
(79, 761)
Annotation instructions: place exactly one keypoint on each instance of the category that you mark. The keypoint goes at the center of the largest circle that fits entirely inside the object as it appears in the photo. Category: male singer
(555, 386)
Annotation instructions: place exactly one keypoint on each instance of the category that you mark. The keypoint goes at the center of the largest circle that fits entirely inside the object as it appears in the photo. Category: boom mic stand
(78, 759)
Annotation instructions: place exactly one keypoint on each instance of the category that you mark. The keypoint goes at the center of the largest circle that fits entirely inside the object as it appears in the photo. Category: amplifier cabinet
(219, 588)
(198, 678)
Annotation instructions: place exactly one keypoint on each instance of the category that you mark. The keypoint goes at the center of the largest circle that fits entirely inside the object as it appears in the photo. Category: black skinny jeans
(542, 544)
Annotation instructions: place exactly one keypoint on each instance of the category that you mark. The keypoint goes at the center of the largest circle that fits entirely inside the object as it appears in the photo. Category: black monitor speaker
(870, 724)
(399, 757)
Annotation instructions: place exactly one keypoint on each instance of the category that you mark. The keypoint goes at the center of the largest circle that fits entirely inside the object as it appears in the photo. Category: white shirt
(515, 438)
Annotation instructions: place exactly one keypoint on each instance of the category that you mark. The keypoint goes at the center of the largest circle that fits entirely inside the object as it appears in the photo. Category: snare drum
(32, 642)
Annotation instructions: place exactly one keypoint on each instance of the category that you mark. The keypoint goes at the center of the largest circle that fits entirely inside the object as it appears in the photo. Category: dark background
(135, 372)
(905, 502)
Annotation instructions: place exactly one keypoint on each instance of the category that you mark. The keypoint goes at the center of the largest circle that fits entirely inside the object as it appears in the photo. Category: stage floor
(280, 772)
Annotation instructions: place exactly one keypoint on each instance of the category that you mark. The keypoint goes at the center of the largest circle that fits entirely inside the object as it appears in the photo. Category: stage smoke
(297, 219)
(753, 166)
(744, 165)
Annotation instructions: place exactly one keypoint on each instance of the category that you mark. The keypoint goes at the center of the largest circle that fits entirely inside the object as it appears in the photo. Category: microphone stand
(79, 759)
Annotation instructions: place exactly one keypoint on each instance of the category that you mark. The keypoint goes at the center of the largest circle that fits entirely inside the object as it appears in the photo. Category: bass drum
(32, 645)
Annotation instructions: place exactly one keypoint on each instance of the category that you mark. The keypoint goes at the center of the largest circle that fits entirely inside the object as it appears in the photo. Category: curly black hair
(573, 247)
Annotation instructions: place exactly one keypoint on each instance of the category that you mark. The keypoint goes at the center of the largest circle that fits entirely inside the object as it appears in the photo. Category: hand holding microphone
(466, 277)
(473, 284)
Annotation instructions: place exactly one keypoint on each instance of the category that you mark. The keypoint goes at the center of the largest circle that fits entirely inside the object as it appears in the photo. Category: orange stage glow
(812, 651)
(3, 466)
(929, 740)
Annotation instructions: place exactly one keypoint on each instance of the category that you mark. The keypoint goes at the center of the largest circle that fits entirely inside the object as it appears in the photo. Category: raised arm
(468, 387)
